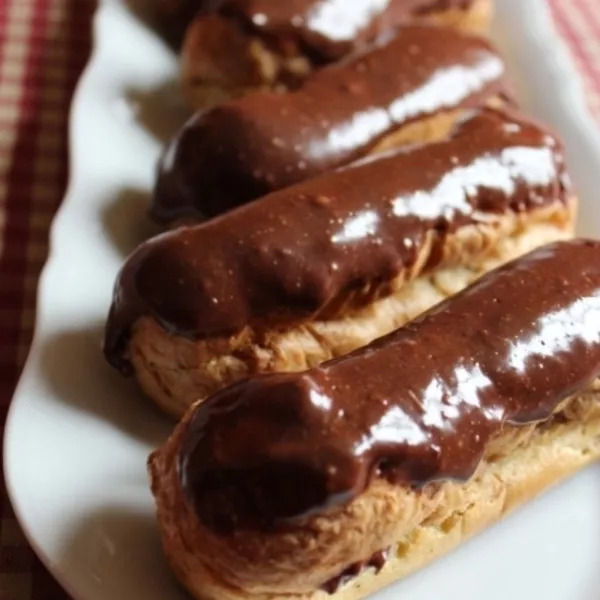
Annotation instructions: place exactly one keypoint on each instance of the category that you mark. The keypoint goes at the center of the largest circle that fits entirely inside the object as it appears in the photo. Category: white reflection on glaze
(557, 332)
(360, 130)
(446, 88)
(395, 427)
(357, 228)
(441, 403)
(451, 194)
(333, 20)
(320, 400)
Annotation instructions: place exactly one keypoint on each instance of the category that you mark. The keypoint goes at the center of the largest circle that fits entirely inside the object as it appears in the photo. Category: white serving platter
(78, 435)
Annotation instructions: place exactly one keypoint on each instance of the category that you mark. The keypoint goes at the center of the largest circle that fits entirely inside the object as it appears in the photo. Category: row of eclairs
(368, 312)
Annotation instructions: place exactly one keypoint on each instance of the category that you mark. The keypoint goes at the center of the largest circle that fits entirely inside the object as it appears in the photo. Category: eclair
(236, 46)
(321, 268)
(410, 88)
(337, 481)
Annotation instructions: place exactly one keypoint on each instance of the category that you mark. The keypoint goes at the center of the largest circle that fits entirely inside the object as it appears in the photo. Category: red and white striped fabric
(44, 45)
(43, 48)
(578, 21)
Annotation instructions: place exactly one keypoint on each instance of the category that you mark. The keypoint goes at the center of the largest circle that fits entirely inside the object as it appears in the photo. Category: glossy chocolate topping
(330, 29)
(296, 253)
(416, 406)
(265, 141)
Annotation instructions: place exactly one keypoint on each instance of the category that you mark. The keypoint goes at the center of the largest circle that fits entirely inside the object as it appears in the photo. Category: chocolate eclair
(321, 268)
(235, 46)
(341, 479)
(410, 88)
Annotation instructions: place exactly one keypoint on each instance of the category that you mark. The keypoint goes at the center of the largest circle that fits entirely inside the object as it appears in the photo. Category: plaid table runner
(44, 45)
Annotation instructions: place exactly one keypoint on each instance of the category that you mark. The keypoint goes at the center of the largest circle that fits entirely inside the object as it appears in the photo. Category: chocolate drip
(248, 147)
(416, 406)
(377, 562)
(296, 254)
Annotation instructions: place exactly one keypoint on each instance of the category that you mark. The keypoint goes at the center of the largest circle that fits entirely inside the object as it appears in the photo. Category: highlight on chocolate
(348, 476)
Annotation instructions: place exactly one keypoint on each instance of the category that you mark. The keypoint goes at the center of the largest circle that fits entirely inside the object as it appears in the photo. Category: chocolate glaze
(376, 562)
(265, 141)
(416, 406)
(329, 29)
(296, 253)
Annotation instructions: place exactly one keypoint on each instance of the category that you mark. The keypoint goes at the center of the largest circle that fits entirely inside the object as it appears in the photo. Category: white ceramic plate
(78, 435)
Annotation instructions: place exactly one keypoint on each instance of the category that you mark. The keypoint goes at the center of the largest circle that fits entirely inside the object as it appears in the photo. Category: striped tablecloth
(44, 45)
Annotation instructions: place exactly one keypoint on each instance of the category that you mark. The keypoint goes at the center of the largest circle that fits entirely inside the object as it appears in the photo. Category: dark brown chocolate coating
(416, 406)
(295, 253)
(265, 141)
